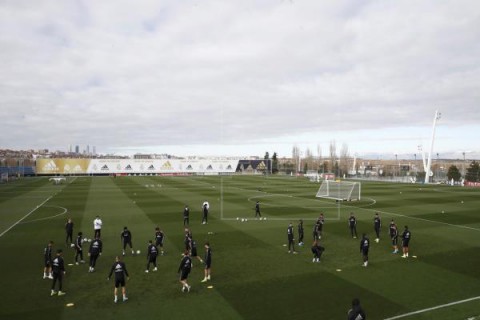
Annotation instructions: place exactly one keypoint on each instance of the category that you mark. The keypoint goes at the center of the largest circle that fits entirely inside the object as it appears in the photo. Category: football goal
(339, 190)
(312, 175)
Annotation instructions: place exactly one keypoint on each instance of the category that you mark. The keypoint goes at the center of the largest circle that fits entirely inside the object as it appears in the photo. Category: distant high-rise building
(94, 150)
(77, 149)
(88, 149)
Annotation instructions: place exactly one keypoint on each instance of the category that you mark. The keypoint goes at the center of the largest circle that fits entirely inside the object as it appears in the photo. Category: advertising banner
(62, 166)
(134, 166)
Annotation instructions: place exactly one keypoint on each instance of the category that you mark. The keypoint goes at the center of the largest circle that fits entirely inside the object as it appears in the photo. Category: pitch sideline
(432, 308)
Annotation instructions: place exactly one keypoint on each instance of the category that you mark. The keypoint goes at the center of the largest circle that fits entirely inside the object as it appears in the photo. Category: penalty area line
(25, 216)
(432, 308)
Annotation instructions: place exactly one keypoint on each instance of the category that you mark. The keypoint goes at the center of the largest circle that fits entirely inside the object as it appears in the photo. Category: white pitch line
(433, 308)
(25, 216)
(427, 220)
(50, 217)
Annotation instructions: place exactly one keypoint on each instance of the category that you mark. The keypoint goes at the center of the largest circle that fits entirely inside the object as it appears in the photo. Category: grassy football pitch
(253, 276)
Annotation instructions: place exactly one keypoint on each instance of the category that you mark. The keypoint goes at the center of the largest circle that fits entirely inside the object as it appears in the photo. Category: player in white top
(205, 207)
(97, 227)
(205, 203)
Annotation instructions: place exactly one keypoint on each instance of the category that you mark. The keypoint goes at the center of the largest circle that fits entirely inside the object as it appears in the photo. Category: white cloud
(118, 74)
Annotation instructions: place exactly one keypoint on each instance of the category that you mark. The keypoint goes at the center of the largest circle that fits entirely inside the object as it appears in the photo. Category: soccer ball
(243, 220)
(89, 240)
(138, 251)
(85, 240)
(246, 220)
(72, 245)
(237, 218)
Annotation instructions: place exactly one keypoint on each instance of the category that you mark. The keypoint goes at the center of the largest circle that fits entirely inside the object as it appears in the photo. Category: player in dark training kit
(186, 216)
(159, 238)
(317, 251)
(364, 246)
(394, 236)
(356, 312)
(352, 224)
(94, 252)
(152, 253)
(47, 254)
(185, 268)
(79, 249)
(188, 239)
(69, 231)
(300, 232)
(257, 210)
(58, 271)
(406, 236)
(120, 272)
(126, 237)
(208, 262)
(291, 239)
(320, 223)
(377, 224)
(315, 232)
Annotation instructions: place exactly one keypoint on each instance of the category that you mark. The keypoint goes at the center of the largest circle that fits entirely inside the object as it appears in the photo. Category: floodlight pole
(420, 148)
(415, 164)
(429, 162)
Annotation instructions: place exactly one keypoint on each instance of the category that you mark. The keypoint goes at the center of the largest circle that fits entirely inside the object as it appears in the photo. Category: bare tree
(333, 154)
(319, 156)
(296, 156)
(309, 158)
(344, 158)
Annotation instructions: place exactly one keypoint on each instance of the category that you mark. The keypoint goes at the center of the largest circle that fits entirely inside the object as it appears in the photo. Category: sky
(241, 78)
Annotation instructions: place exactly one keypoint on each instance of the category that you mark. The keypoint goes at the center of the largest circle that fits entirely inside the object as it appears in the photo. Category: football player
(120, 272)
(58, 271)
(394, 236)
(47, 254)
(126, 237)
(406, 236)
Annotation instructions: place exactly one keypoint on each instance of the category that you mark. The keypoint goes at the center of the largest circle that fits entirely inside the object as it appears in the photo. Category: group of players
(377, 225)
(317, 249)
(54, 266)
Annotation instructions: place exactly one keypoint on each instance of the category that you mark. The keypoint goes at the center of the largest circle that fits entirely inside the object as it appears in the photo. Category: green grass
(253, 276)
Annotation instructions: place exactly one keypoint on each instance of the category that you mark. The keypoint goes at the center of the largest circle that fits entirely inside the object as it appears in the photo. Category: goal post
(339, 190)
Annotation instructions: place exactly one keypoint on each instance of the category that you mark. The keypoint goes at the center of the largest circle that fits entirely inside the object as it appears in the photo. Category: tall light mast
(424, 161)
(429, 163)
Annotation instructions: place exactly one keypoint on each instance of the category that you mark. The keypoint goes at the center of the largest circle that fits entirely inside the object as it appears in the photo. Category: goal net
(339, 190)
(312, 175)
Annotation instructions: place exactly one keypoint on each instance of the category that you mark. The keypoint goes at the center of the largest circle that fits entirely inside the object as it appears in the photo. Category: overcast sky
(240, 77)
